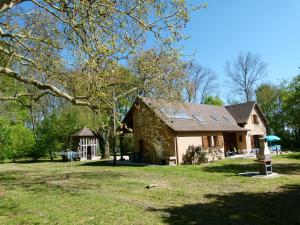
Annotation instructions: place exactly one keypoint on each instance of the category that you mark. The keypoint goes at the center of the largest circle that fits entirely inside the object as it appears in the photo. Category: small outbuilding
(86, 144)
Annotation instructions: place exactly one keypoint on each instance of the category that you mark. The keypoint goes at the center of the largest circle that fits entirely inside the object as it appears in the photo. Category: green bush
(16, 140)
(54, 133)
(197, 154)
(22, 142)
(192, 155)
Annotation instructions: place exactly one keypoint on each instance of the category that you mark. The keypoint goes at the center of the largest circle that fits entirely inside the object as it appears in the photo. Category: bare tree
(200, 82)
(244, 73)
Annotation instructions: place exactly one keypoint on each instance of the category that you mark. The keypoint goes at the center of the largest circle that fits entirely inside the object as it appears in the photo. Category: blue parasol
(271, 138)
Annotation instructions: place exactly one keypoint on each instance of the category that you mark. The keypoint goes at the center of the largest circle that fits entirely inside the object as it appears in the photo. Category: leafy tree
(291, 105)
(159, 73)
(4, 140)
(244, 73)
(21, 142)
(213, 100)
(97, 34)
(54, 132)
(280, 105)
(267, 96)
(48, 38)
(16, 141)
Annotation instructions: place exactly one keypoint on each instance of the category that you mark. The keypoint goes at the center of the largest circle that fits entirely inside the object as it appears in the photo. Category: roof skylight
(215, 117)
(175, 114)
(199, 118)
(226, 118)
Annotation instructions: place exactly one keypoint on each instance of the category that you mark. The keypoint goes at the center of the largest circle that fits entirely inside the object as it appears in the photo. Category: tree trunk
(51, 156)
(105, 153)
(33, 122)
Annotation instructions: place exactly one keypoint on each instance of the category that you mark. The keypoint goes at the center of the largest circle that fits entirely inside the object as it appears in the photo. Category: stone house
(164, 130)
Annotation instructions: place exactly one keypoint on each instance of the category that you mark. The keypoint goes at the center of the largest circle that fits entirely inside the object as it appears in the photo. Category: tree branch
(7, 4)
(44, 86)
(17, 97)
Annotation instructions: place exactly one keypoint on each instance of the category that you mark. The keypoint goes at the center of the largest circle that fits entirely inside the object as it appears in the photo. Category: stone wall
(151, 132)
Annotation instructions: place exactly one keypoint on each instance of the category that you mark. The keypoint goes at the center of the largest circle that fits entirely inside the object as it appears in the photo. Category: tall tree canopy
(213, 100)
(269, 98)
(281, 105)
(160, 73)
(291, 105)
(46, 39)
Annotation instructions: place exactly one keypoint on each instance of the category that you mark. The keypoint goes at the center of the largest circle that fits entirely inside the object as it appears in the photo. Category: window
(241, 138)
(255, 119)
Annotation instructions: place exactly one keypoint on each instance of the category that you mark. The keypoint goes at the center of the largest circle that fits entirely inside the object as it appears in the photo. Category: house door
(89, 152)
(230, 144)
(141, 149)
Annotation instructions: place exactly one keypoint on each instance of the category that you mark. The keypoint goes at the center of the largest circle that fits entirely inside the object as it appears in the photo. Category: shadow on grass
(30, 161)
(110, 163)
(278, 208)
(288, 168)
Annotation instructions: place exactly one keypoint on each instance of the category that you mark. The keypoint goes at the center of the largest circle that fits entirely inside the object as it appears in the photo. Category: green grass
(98, 193)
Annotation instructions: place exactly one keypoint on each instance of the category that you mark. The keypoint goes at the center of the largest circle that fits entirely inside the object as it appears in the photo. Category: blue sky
(270, 28)
(219, 32)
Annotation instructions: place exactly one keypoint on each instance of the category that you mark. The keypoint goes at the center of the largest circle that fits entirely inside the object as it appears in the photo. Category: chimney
(264, 152)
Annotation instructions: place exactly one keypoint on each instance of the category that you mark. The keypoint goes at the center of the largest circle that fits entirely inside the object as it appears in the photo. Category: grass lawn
(97, 193)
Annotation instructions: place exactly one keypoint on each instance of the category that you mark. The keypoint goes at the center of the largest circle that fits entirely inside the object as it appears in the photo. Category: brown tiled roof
(193, 117)
(241, 112)
(84, 132)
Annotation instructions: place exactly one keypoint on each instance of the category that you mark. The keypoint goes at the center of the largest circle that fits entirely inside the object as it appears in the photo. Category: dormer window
(255, 119)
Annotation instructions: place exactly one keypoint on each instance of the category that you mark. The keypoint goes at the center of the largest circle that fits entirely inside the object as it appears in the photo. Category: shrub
(197, 154)
(22, 142)
(214, 153)
(192, 155)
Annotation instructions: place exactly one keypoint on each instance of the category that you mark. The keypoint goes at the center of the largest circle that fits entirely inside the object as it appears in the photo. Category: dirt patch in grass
(164, 185)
